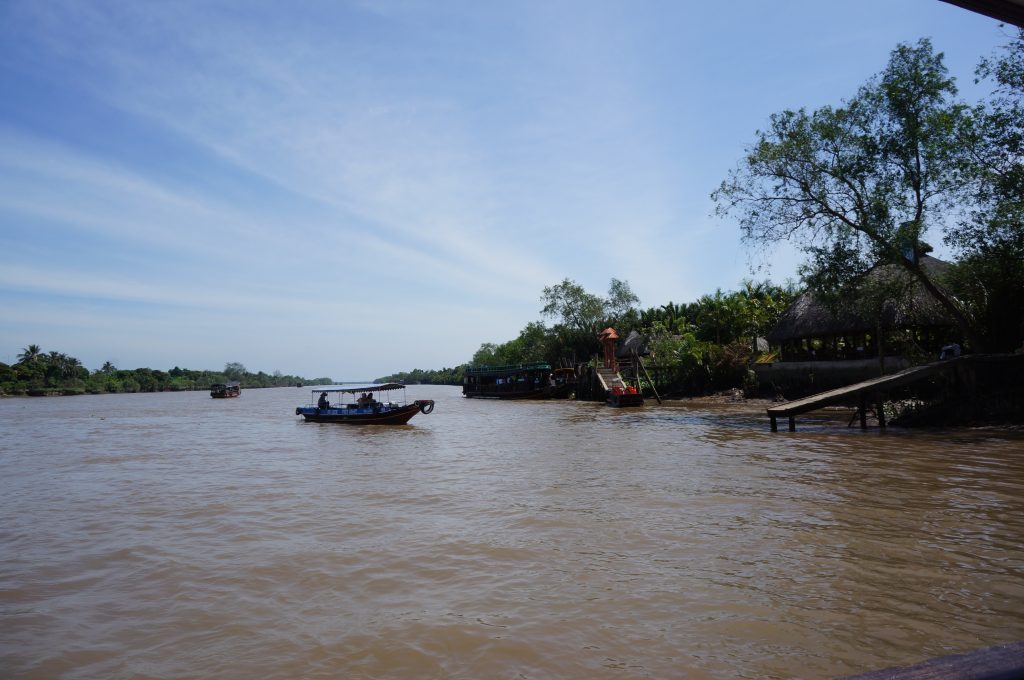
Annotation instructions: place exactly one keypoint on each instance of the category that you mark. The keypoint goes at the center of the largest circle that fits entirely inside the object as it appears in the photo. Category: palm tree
(30, 354)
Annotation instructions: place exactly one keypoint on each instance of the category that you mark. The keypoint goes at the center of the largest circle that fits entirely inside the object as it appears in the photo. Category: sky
(355, 188)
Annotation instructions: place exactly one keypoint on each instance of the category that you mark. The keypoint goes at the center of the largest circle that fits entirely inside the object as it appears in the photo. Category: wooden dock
(868, 392)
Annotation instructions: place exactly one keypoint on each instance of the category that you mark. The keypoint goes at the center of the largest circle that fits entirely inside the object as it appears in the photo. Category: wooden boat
(222, 391)
(515, 381)
(563, 383)
(369, 405)
(623, 396)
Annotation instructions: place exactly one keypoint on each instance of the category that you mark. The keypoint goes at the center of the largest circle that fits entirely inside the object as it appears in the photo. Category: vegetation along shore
(860, 186)
(38, 373)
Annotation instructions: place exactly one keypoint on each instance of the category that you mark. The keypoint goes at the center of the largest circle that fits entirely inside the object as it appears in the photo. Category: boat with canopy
(384, 404)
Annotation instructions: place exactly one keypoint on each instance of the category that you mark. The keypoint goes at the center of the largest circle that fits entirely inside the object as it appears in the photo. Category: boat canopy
(385, 387)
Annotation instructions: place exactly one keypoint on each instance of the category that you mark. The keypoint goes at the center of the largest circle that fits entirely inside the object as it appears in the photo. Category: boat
(514, 381)
(367, 405)
(222, 391)
(624, 396)
(563, 383)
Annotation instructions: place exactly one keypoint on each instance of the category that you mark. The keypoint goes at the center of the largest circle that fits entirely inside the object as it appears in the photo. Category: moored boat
(625, 395)
(369, 405)
(563, 383)
(222, 391)
(514, 381)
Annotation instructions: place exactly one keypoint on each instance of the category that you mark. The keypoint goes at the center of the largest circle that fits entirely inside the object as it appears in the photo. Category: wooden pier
(976, 383)
(869, 392)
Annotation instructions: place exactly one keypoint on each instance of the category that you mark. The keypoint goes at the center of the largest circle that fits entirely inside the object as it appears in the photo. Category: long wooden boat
(514, 381)
(368, 405)
(222, 391)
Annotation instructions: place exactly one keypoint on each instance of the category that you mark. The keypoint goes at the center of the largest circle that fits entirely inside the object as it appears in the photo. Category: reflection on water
(171, 535)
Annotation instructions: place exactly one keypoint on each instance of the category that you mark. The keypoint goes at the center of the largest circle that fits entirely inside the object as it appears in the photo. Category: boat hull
(541, 393)
(391, 416)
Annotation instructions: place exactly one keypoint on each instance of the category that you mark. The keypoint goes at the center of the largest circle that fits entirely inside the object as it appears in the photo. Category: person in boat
(323, 403)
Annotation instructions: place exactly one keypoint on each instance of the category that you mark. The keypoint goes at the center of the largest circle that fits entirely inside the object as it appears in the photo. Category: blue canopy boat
(361, 405)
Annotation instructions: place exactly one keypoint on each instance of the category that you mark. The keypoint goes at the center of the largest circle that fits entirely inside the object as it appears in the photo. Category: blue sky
(350, 189)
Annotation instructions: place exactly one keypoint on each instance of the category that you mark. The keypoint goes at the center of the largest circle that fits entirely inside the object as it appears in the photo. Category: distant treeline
(39, 373)
(418, 376)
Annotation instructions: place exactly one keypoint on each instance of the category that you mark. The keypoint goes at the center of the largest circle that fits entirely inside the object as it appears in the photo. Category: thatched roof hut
(807, 317)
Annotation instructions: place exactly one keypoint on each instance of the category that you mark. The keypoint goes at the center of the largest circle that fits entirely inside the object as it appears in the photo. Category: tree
(578, 310)
(234, 370)
(621, 301)
(859, 184)
(30, 354)
(990, 240)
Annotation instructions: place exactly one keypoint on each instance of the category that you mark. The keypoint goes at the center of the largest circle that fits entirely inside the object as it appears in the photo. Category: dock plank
(861, 391)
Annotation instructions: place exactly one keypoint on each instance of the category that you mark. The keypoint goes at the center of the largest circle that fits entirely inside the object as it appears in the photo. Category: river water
(176, 536)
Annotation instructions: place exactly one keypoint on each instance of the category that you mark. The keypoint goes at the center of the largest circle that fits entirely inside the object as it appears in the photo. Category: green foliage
(989, 277)
(535, 343)
(580, 316)
(859, 184)
(444, 376)
(57, 373)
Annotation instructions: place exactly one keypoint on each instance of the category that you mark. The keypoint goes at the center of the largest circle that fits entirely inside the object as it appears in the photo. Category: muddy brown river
(176, 536)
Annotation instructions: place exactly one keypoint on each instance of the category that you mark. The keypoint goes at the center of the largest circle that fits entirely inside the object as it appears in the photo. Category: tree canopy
(859, 184)
(990, 239)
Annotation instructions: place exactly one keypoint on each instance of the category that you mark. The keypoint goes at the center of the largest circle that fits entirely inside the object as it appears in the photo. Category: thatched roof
(634, 342)
(808, 317)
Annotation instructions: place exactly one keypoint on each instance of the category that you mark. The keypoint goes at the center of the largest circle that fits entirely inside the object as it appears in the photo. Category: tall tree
(861, 183)
(234, 370)
(990, 240)
(30, 354)
(577, 310)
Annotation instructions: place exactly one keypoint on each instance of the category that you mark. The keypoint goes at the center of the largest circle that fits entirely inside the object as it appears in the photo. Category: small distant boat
(370, 405)
(518, 381)
(222, 391)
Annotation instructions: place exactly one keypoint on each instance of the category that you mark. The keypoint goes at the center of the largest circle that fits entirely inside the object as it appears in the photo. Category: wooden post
(775, 424)
(880, 400)
(863, 412)
(792, 423)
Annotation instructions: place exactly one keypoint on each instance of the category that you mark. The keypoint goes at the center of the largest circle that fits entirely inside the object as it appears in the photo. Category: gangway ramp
(862, 392)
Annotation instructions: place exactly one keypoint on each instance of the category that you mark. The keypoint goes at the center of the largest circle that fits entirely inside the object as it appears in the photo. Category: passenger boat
(222, 391)
(369, 405)
(515, 381)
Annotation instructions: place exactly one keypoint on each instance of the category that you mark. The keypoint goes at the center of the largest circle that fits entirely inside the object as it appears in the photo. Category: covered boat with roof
(368, 405)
